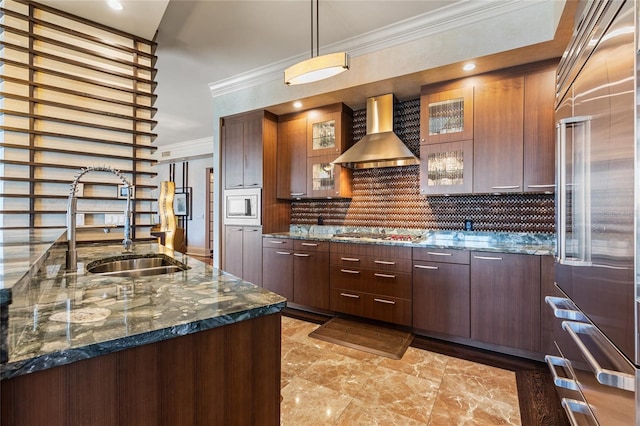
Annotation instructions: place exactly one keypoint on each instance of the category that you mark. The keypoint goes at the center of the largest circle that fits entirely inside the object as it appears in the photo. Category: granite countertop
(497, 242)
(22, 252)
(57, 317)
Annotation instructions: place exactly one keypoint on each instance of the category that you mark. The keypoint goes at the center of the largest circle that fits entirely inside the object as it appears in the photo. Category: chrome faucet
(72, 208)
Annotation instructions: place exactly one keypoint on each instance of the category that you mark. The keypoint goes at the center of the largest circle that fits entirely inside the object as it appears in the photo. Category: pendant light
(317, 67)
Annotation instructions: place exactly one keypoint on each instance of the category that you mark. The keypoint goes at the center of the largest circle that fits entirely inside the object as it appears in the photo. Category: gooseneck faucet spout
(72, 208)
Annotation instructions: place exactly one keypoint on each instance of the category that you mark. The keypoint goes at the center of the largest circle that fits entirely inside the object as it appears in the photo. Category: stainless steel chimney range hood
(380, 147)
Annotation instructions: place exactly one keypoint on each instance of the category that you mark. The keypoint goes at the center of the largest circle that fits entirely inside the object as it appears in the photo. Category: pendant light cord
(317, 28)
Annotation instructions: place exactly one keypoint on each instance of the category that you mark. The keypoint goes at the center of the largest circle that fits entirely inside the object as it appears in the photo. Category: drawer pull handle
(542, 185)
(353, 296)
(277, 242)
(505, 187)
(252, 230)
(435, 253)
(388, 302)
(350, 259)
(310, 244)
(565, 309)
(573, 406)
(487, 257)
(301, 254)
(349, 271)
(561, 382)
(425, 267)
(384, 275)
(282, 252)
(384, 262)
(613, 378)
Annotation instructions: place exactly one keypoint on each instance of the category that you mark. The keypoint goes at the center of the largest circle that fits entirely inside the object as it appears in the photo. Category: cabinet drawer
(281, 243)
(374, 250)
(311, 245)
(441, 255)
(396, 284)
(388, 264)
(382, 308)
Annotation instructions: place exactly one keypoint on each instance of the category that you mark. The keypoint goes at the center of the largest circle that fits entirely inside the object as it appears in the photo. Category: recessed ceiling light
(297, 104)
(470, 66)
(115, 4)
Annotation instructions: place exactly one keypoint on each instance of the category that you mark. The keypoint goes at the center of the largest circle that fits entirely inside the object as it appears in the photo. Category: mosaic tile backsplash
(390, 197)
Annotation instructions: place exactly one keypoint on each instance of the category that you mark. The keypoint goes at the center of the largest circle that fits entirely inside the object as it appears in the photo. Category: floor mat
(374, 339)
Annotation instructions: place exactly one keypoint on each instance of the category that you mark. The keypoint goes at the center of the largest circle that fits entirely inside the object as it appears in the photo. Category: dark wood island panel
(227, 375)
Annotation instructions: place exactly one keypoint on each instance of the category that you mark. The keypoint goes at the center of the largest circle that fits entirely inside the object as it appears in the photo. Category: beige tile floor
(327, 384)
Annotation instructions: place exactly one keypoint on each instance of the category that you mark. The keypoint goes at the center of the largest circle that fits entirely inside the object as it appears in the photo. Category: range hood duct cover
(380, 147)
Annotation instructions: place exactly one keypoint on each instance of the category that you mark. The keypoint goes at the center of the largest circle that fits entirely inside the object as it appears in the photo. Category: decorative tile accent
(390, 197)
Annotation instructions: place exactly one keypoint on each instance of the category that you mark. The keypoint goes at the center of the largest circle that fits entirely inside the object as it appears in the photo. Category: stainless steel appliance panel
(596, 185)
(596, 217)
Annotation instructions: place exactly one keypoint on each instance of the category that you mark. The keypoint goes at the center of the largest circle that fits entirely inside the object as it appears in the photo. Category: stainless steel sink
(136, 265)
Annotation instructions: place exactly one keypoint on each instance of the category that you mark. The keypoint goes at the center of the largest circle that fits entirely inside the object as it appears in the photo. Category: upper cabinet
(539, 131)
(307, 144)
(498, 136)
(325, 134)
(492, 133)
(242, 141)
(446, 116)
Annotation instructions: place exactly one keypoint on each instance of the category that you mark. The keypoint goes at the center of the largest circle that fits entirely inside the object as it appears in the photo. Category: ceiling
(204, 42)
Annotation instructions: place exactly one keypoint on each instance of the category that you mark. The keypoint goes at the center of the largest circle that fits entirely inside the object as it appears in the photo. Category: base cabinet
(505, 299)
(297, 270)
(372, 281)
(228, 375)
(277, 274)
(441, 297)
(243, 252)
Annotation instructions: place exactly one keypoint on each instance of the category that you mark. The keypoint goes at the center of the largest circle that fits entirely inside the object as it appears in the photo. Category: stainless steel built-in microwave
(242, 207)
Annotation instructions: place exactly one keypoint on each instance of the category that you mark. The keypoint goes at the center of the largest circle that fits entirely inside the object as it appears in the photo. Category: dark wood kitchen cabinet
(277, 274)
(446, 168)
(505, 299)
(498, 136)
(372, 281)
(511, 147)
(249, 160)
(308, 142)
(539, 131)
(292, 155)
(441, 294)
(446, 115)
(311, 273)
(327, 133)
(243, 252)
(297, 270)
(242, 140)
(326, 180)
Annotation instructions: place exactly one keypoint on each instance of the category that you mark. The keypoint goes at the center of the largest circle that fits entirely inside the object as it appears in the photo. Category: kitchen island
(198, 346)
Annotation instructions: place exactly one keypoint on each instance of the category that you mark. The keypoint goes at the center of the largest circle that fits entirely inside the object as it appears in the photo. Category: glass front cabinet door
(326, 180)
(446, 168)
(446, 116)
(324, 135)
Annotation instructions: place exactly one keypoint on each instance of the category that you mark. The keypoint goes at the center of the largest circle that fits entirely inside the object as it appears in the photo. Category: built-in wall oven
(595, 366)
(243, 207)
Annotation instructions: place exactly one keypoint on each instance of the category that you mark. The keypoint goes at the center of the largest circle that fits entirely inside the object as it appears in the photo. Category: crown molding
(420, 26)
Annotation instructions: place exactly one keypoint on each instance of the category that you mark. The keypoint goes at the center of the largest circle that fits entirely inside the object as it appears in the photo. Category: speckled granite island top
(57, 317)
(498, 242)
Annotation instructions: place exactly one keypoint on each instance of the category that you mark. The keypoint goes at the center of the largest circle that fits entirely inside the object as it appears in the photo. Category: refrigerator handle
(562, 183)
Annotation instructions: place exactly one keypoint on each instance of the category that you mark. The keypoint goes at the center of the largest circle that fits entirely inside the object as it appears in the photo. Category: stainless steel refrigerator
(596, 362)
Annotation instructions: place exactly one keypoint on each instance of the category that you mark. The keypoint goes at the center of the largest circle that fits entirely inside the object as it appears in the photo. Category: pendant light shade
(318, 67)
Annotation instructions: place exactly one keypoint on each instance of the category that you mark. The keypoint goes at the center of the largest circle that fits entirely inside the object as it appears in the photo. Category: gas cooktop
(376, 236)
